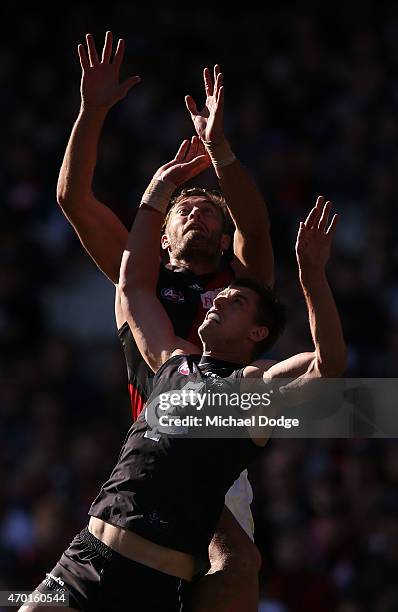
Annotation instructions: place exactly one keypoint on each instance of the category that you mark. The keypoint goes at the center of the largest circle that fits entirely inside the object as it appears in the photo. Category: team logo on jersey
(213, 379)
(208, 297)
(173, 295)
(196, 287)
(184, 369)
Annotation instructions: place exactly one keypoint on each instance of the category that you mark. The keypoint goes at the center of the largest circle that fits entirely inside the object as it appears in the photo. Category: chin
(206, 330)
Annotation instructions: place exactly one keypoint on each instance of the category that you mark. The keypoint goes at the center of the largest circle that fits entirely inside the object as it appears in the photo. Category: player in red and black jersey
(232, 585)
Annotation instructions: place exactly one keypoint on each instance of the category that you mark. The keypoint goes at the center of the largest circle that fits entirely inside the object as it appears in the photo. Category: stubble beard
(197, 248)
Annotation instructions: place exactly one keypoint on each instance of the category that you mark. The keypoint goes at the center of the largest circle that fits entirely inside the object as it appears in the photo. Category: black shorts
(95, 577)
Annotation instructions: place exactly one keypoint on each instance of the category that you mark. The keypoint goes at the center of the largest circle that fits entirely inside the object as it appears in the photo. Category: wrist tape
(221, 153)
(157, 195)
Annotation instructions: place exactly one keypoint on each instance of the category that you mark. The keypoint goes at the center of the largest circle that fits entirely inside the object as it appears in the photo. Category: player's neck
(237, 355)
(197, 266)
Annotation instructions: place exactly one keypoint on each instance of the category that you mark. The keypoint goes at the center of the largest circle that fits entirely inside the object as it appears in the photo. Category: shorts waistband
(99, 547)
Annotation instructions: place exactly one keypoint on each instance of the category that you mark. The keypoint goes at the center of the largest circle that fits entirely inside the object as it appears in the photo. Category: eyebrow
(203, 203)
(243, 297)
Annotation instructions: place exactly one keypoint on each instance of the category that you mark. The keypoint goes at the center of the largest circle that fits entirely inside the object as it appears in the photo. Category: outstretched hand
(209, 121)
(315, 237)
(191, 159)
(100, 85)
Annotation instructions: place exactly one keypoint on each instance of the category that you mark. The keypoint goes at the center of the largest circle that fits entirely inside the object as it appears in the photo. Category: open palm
(315, 237)
(209, 121)
(100, 84)
(191, 159)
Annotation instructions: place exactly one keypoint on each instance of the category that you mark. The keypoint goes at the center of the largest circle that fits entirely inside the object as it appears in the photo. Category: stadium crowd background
(311, 108)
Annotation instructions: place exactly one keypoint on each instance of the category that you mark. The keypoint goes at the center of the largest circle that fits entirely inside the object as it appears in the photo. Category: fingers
(182, 151)
(208, 82)
(119, 54)
(128, 84)
(191, 105)
(92, 51)
(107, 50)
(220, 97)
(85, 64)
(196, 165)
(212, 86)
(216, 71)
(323, 221)
(318, 218)
(332, 225)
(190, 150)
(315, 214)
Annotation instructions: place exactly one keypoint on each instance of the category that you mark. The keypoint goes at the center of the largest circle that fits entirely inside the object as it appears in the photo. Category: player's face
(232, 318)
(194, 223)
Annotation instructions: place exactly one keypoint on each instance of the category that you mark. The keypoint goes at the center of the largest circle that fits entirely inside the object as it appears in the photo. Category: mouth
(214, 316)
(195, 227)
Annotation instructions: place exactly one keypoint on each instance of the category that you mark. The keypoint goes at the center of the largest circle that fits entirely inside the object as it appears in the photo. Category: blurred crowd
(311, 97)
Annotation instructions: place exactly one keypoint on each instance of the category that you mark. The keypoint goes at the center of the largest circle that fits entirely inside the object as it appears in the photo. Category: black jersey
(186, 298)
(170, 489)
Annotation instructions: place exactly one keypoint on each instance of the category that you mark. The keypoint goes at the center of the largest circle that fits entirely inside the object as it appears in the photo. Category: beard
(196, 246)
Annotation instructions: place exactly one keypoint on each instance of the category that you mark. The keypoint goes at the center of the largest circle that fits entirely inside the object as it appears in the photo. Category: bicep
(101, 233)
(152, 329)
(292, 367)
(253, 256)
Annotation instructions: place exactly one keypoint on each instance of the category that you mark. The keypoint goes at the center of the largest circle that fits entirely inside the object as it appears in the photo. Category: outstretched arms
(99, 229)
(149, 323)
(252, 240)
(329, 357)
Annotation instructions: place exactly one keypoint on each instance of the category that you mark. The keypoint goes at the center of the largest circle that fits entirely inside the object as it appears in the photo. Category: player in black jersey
(151, 524)
(186, 287)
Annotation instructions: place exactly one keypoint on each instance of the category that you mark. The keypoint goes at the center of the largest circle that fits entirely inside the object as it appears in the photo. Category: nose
(220, 300)
(194, 214)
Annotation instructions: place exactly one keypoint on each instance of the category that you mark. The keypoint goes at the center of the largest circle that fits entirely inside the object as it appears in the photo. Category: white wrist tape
(221, 154)
(157, 195)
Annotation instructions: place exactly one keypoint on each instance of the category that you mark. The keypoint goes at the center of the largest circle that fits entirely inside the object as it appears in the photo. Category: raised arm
(99, 229)
(329, 356)
(148, 320)
(252, 240)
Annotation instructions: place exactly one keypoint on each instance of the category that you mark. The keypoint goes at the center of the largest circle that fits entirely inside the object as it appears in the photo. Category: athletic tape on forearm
(221, 154)
(157, 195)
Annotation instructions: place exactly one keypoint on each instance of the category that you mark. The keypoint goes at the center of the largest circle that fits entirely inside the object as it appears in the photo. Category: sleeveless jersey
(170, 488)
(186, 298)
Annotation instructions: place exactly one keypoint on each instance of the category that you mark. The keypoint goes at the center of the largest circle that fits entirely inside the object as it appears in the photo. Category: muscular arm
(253, 254)
(329, 356)
(252, 241)
(99, 229)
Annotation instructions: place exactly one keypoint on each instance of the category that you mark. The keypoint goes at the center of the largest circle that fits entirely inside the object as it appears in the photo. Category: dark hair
(215, 197)
(270, 313)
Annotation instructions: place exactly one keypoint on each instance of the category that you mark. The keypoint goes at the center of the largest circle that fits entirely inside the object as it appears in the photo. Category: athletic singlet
(186, 298)
(167, 488)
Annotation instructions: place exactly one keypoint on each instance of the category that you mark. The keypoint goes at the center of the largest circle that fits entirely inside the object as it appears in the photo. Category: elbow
(125, 285)
(126, 297)
(333, 368)
(61, 194)
(64, 199)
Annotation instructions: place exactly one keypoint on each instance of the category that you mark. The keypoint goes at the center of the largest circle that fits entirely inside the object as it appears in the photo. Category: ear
(225, 242)
(258, 333)
(164, 241)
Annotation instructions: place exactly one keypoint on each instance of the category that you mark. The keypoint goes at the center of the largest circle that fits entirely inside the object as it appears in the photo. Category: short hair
(215, 197)
(270, 313)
